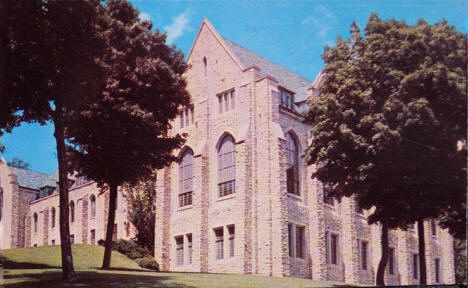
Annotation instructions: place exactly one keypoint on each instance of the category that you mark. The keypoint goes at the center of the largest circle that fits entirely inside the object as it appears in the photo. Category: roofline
(220, 40)
(317, 80)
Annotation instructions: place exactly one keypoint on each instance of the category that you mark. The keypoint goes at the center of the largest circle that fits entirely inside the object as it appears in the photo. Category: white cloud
(178, 26)
(144, 16)
(322, 21)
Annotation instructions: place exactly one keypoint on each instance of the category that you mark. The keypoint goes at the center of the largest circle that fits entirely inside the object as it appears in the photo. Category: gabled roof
(32, 179)
(286, 78)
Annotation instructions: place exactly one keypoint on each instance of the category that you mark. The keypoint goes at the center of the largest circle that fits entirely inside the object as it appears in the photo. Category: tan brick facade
(265, 216)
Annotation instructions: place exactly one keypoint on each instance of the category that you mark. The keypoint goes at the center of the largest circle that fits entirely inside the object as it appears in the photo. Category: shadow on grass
(93, 279)
(7, 264)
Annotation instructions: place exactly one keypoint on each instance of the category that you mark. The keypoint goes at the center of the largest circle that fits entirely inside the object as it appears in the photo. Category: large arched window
(52, 212)
(72, 211)
(35, 222)
(186, 178)
(92, 206)
(292, 167)
(1, 203)
(226, 167)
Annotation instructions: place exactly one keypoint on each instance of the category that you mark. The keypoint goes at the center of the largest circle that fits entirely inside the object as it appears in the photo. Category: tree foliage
(18, 163)
(49, 54)
(141, 199)
(122, 133)
(388, 119)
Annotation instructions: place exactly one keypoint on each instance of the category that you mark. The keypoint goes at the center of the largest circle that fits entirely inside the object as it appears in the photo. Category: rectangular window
(219, 241)
(53, 242)
(391, 261)
(92, 237)
(187, 119)
(300, 240)
(326, 198)
(226, 101)
(114, 233)
(290, 239)
(181, 114)
(433, 227)
(72, 239)
(185, 199)
(233, 100)
(327, 247)
(286, 99)
(334, 249)
(192, 112)
(231, 231)
(220, 101)
(415, 266)
(179, 250)
(363, 254)
(189, 248)
(226, 188)
(437, 270)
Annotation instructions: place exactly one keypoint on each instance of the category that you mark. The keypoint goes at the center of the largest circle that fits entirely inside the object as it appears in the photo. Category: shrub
(148, 263)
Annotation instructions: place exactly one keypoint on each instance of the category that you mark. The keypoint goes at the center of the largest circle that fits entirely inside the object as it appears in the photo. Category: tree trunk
(110, 227)
(68, 272)
(422, 253)
(384, 257)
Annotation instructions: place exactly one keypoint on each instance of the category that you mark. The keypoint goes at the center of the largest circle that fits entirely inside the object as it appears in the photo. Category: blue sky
(292, 34)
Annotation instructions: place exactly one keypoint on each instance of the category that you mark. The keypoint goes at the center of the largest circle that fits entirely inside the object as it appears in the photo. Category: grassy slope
(84, 257)
(34, 267)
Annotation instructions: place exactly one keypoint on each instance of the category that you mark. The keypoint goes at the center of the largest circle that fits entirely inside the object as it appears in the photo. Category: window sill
(295, 196)
(227, 197)
(185, 208)
(332, 207)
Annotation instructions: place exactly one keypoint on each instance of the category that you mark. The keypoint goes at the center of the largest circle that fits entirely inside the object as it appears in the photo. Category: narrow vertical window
(52, 242)
(187, 118)
(437, 270)
(127, 229)
(181, 115)
(292, 167)
(35, 222)
(226, 167)
(192, 113)
(300, 240)
(433, 227)
(231, 231)
(334, 249)
(92, 206)
(391, 261)
(415, 266)
(186, 178)
(233, 100)
(363, 253)
(179, 250)
(72, 211)
(219, 241)
(226, 101)
(52, 212)
(327, 199)
(205, 66)
(290, 239)
(92, 237)
(114, 232)
(220, 101)
(72, 239)
(189, 248)
(327, 247)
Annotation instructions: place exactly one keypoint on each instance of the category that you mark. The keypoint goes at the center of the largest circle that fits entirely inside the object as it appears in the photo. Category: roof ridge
(288, 70)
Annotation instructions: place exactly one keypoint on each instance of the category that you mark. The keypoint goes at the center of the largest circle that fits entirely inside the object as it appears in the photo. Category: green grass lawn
(39, 267)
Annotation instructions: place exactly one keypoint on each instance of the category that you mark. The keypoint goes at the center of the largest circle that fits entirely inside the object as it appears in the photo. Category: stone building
(29, 210)
(241, 199)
